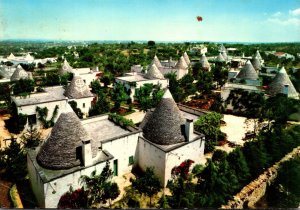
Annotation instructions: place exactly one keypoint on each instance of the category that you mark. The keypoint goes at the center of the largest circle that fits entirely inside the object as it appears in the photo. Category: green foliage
(5, 94)
(23, 87)
(31, 138)
(220, 73)
(13, 160)
(107, 79)
(77, 110)
(42, 116)
(51, 79)
(99, 188)
(148, 96)
(284, 192)
(120, 120)
(209, 125)
(119, 95)
(182, 189)
(101, 106)
(148, 184)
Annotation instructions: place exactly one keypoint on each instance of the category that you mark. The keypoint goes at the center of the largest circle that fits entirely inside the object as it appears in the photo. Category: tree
(148, 96)
(209, 125)
(148, 184)
(99, 188)
(107, 79)
(13, 158)
(237, 161)
(101, 106)
(31, 138)
(77, 110)
(181, 187)
(151, 43)
(284, 192)
(23, 87)
(119, 95)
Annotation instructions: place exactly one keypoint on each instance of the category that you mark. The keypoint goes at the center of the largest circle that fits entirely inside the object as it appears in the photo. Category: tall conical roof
(164, 125)
(65, 68)
(224, 54)
(18, 74)
(256, 63)
(78, 89)
(278, 83)
(154, 73)
(11, 56)
(186, 58)
(204, 62)
(181, 64)
(156, 62)
(222, 48)
(248, 72)
(257, 54)
(220, 58)
(59, 150)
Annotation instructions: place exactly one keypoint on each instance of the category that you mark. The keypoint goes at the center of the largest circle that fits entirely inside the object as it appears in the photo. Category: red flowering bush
(73, 200)
(183, 169)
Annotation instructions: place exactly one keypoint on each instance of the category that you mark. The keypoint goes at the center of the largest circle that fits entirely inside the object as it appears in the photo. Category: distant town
(149, 124)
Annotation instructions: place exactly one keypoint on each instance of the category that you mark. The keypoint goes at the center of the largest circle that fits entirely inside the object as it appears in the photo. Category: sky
(158, 20)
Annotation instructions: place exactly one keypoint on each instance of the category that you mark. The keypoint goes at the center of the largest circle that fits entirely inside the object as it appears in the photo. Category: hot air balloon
(199, 18)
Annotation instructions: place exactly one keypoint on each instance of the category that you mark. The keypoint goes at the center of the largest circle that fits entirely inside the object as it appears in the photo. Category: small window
(83, 105)
(131, 160)
(84, 81)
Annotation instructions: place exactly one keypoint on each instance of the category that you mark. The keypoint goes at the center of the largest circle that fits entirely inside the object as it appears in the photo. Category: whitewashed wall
(36, 183)
(122, 149)
(88, 78)
(151, 156)
(31, 109)
(80, 102)
(55, 189)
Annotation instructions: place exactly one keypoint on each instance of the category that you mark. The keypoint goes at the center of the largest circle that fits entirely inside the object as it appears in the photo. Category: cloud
(295, 12)
(285, 22)
(277, 14)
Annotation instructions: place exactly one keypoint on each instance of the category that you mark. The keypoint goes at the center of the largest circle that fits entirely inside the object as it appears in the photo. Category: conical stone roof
(65, 68)
(204, 62)
(248, 72)
(222, 48)
(181, 64)
(18, 74)
(164, 125)
(256, 63)
(154, 73)
(186, 58)
(156, 62)
(78, 89)
(278, 83)
(224, 54)
(11, 56)
(59, 150)
(220, 58)
(257, 54)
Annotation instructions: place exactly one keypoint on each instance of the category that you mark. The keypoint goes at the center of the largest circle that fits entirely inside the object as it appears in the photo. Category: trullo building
(74, 148)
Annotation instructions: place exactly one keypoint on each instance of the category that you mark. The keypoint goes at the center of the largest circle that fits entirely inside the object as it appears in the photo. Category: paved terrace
(55, 93)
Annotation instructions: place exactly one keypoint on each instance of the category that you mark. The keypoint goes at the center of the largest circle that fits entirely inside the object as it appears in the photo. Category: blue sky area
(159, 20)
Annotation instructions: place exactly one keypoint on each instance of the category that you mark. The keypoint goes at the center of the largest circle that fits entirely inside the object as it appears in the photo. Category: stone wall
(254, 191)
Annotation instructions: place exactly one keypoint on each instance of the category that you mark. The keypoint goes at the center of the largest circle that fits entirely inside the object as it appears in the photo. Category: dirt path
(4, 194)
(4, 133)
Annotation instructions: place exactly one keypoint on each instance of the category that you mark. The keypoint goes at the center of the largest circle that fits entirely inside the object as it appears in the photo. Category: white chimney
(87, 153)
(97, 68)
(189, 129)
(286, 90)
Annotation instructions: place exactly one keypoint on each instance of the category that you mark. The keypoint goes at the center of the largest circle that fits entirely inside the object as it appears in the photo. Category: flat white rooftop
(101, 128)
(55, 93)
